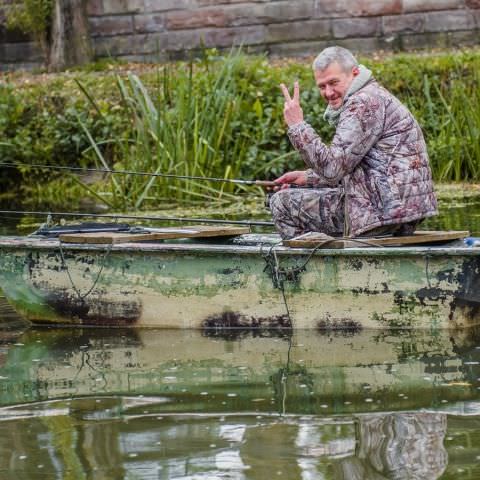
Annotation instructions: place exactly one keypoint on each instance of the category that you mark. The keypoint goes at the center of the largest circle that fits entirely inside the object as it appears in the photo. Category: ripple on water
(192, 445)
(123, 404)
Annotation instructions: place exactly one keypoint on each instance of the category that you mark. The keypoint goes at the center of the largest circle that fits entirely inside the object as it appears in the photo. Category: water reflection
(127, 404)
(304, 373)
(108, 438)
(399, 446)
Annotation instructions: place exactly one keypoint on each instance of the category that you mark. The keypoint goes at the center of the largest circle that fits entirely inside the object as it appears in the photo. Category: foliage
(31, 17)
(39, 124)
(187, 127)
(455, 143)
(216, 116)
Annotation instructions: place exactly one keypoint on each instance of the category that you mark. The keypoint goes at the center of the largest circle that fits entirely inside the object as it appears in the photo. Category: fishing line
(265, 183)
(138, 217)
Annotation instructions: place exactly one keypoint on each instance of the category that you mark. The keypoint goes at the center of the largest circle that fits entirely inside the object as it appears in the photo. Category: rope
(291, 274)
(427, 274)
(281, 275)
(75, 288)
(285, 373)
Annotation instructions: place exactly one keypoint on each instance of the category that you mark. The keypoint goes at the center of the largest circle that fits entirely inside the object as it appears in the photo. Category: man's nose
(328, 91)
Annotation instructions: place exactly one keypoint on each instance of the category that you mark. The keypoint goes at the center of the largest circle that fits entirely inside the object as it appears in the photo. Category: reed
(455, 140)
(188, 125)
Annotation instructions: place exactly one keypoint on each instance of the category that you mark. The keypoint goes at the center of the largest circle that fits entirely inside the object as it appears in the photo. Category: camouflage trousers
(299, 210)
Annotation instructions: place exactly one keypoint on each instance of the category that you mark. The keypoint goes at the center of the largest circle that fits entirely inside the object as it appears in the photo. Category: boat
(196, 277)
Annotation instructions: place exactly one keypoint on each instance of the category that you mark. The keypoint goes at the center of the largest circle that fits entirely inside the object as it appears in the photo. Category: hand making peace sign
(292, 111)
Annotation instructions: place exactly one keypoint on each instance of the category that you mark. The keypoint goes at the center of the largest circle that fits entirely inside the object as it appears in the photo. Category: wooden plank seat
(320, 240)
(153, 234)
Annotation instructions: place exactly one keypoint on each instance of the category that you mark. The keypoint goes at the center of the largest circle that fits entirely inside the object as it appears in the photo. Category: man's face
(333, 83)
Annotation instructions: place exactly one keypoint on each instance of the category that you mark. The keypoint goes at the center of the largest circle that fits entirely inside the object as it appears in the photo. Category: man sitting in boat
(373, 179)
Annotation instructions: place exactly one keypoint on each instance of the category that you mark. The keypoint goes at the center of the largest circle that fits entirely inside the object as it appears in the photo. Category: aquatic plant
(455, 140)
(189, 125)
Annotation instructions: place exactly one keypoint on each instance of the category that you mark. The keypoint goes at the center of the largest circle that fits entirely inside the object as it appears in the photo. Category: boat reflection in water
(154, 404)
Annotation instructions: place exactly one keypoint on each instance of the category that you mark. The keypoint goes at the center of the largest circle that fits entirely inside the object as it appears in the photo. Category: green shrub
(32, 17)
(39, 124)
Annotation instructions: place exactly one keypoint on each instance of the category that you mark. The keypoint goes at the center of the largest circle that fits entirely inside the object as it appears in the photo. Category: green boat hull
(215, 286)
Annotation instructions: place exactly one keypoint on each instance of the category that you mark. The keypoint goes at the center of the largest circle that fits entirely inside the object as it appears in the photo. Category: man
(373, 179)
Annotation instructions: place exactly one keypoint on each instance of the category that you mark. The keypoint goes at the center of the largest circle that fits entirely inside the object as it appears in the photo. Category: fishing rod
(261, 183)
(139, 217)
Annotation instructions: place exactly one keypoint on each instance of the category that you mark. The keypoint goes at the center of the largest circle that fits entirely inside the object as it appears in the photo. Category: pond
(154, 404)
(165, 404)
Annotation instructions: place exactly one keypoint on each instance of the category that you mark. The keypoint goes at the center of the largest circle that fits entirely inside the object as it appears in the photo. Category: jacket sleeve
(360, 126)
(313, 180)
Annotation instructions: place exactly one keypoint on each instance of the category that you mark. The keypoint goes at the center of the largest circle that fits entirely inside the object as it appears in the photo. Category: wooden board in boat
(152, 234)
(316, 239)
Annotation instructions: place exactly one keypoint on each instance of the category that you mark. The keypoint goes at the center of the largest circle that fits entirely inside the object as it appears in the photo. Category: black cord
(65, 266)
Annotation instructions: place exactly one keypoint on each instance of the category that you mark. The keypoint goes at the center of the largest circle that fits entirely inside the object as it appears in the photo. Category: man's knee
(280, 200)
(281, 204)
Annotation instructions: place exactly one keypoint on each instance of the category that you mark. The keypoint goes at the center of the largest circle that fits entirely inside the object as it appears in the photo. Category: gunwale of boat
(264, 244)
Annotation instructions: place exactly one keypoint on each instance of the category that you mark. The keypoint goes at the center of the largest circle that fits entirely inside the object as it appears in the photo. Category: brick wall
(152, 30)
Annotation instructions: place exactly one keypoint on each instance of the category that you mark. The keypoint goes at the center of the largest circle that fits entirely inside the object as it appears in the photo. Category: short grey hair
(339, 55)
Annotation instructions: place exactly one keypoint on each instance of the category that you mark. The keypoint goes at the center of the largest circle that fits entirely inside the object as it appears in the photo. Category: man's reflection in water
(383, 446)
(399, 446)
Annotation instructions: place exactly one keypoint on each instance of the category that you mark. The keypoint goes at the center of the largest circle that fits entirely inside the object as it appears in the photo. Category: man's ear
(355, 71)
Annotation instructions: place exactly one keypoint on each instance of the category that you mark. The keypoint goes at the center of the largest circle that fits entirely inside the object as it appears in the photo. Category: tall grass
(189, 125)
(455, 140)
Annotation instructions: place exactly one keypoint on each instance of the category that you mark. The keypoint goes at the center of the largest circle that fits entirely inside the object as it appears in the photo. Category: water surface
(114, 403)
(151, 404)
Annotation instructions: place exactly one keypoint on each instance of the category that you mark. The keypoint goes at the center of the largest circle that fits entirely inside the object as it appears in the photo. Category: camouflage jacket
(378, 157)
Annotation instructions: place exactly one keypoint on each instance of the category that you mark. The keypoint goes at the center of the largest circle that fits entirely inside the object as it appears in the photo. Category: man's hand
(298, 177)
(292, 112)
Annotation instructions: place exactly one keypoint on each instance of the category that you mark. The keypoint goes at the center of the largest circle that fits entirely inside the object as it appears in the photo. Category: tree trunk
(70, 38)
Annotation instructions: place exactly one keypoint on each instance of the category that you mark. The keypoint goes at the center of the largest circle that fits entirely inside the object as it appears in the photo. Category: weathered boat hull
(194, 285)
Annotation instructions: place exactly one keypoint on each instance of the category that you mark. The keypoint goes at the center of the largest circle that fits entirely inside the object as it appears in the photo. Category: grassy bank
(215, 116)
